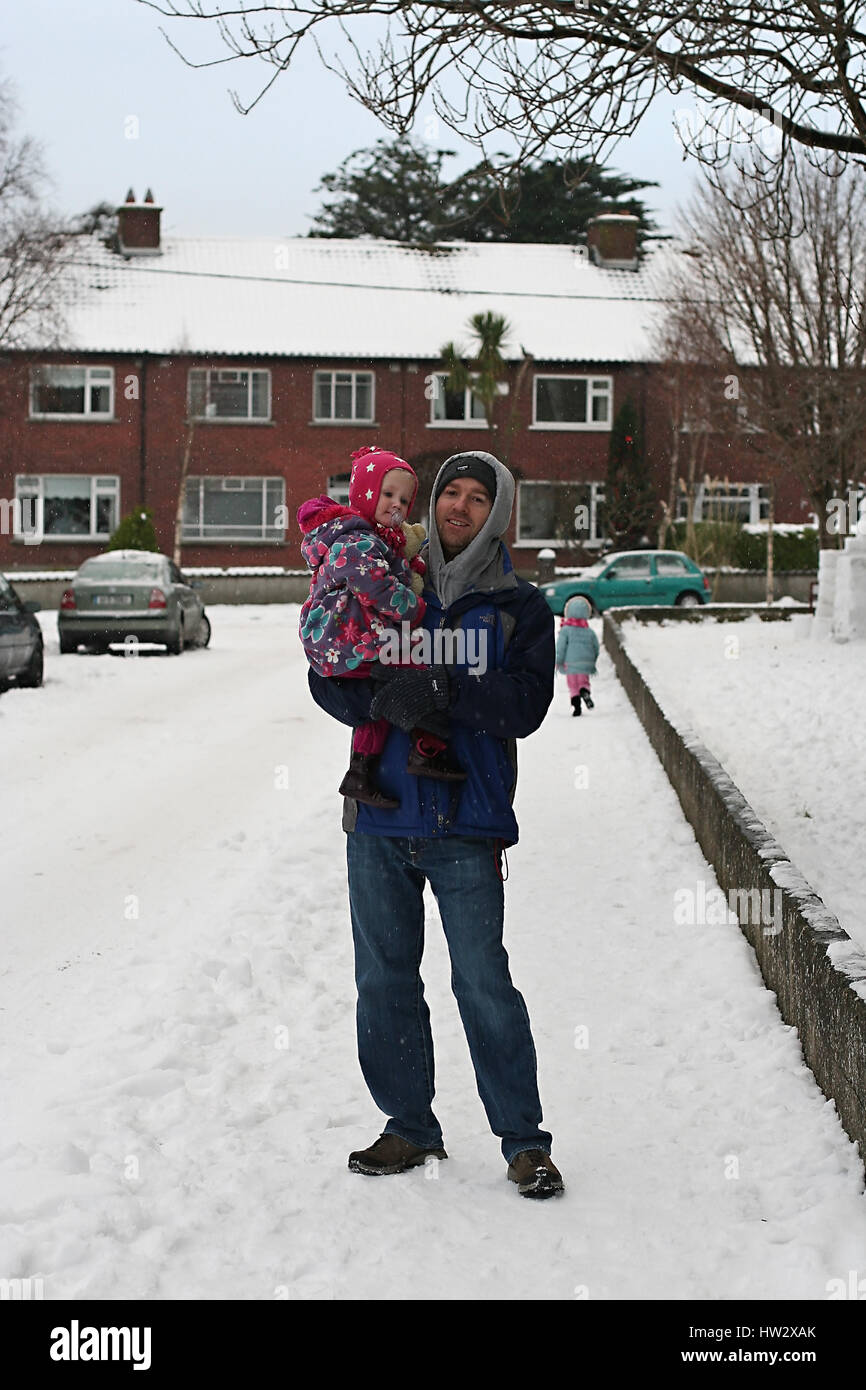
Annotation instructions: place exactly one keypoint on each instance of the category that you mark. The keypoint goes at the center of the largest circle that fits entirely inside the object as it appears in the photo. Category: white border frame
(98, 488)
(91, 416)
(248, 419)
(596, 495)
(601, 426)
(247, 533)
(467, 423)
(354, 373)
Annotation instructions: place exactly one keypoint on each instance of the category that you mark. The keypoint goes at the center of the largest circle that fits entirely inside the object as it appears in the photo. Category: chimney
(612, 240)
(138, 226)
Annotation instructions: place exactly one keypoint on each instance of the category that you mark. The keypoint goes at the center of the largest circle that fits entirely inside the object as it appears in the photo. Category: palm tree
(483, 372)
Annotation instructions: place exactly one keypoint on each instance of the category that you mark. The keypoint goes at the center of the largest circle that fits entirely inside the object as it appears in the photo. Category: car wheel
(32, 674)
(177, 641)
(202, 633)
(68, 645)
(688, 600)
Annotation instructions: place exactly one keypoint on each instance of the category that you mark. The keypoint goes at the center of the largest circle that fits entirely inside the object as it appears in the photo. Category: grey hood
(479, 568)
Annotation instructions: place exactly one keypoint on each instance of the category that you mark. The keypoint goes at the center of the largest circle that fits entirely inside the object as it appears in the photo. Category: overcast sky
(114, 107)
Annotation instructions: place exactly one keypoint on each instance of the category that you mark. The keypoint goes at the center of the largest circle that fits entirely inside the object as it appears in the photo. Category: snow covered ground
(179, 1083)
(785, 717)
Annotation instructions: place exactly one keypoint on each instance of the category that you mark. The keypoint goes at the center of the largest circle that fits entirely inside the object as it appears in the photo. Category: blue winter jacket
(487, 712)
(576, 650)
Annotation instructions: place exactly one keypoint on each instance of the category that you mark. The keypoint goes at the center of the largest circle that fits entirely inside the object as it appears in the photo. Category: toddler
(576, 652)
(362, 583)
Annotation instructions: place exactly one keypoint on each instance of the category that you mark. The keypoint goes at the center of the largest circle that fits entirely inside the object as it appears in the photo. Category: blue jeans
(395, 1044)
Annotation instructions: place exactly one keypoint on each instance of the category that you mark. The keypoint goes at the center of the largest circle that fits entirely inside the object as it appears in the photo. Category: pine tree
(135, 532)
(392, 191)
(537, 203)
(630, 500)
(396, 191)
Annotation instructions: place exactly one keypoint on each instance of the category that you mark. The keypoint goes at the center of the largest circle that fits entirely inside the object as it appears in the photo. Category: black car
(21, 657)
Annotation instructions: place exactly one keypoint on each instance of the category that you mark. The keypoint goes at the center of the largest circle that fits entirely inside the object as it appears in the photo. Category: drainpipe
(142, 434)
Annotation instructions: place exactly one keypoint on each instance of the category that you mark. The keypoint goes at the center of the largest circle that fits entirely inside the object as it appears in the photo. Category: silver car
(131, 594)
(20, 639)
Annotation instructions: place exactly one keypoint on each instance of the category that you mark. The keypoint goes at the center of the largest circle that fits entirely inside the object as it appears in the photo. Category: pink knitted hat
(368, 469)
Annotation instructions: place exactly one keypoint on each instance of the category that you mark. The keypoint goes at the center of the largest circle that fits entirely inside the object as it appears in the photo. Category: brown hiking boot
(535, 1174)
(358, 783)
(439, 766)
(390, 1154)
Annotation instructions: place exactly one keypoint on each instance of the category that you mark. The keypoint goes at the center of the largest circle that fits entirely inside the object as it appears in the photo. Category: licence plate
(112, 600)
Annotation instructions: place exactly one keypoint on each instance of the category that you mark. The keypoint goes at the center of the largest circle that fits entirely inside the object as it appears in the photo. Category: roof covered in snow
(308, 297)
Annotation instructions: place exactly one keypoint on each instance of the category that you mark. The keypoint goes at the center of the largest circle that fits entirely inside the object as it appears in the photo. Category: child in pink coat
(361, 585)
(577, 652)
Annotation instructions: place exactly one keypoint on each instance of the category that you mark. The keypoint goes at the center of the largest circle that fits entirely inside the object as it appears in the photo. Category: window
(630, 567)
(235, 509)
(560, 513)
(229, 395)
(67, 506)
(572, 402)
(338, 487)
(671, 565)
(343, 396)
(742, 502)
(72, 391)
(153, 569)
(9, 602)
(455, 407)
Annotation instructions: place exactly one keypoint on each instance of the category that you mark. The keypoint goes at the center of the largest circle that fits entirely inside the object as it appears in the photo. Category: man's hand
(409, 695)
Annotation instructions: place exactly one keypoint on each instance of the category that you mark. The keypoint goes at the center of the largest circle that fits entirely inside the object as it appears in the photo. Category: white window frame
(338, 488)
(105, 377)
(199, 531)
(355, 418)
(758, 504)
(467, 423)
(596, 496)
(32, 486)
(597, 388)
(226, 373)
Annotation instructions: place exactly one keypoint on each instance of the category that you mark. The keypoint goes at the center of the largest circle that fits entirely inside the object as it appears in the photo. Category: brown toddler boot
(432, 759)
(358, 783)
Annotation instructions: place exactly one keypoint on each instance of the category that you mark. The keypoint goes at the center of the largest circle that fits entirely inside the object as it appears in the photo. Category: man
(451, 835)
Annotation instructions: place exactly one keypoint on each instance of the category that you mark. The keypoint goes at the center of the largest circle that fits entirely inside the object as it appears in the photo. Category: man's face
(462, 508)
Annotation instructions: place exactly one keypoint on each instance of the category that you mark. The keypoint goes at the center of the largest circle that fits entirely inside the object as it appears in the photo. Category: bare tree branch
(773, 297)
(574, 76)
(34, 247)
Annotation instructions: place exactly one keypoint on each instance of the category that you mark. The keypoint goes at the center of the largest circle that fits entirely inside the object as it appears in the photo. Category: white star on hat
(370, 467)
(369, 494)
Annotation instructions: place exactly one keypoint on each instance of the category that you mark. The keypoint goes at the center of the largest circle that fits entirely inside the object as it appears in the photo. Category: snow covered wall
(817, 973)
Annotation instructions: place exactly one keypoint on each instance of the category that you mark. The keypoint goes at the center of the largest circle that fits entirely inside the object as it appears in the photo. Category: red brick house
(286, 355)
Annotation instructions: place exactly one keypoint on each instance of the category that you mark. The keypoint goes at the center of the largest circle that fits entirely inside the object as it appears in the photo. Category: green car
(628, 578)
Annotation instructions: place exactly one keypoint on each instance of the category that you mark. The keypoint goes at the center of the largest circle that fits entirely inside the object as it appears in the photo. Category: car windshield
(7, 595)
(595, 569)
(120, 569)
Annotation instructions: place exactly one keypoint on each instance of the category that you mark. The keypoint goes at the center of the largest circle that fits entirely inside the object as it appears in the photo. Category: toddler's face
(395, 496)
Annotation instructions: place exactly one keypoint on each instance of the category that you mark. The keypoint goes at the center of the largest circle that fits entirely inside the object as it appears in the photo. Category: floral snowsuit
(360, 587)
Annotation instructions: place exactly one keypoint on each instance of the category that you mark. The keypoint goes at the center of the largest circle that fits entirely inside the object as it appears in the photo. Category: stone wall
(815, 970)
